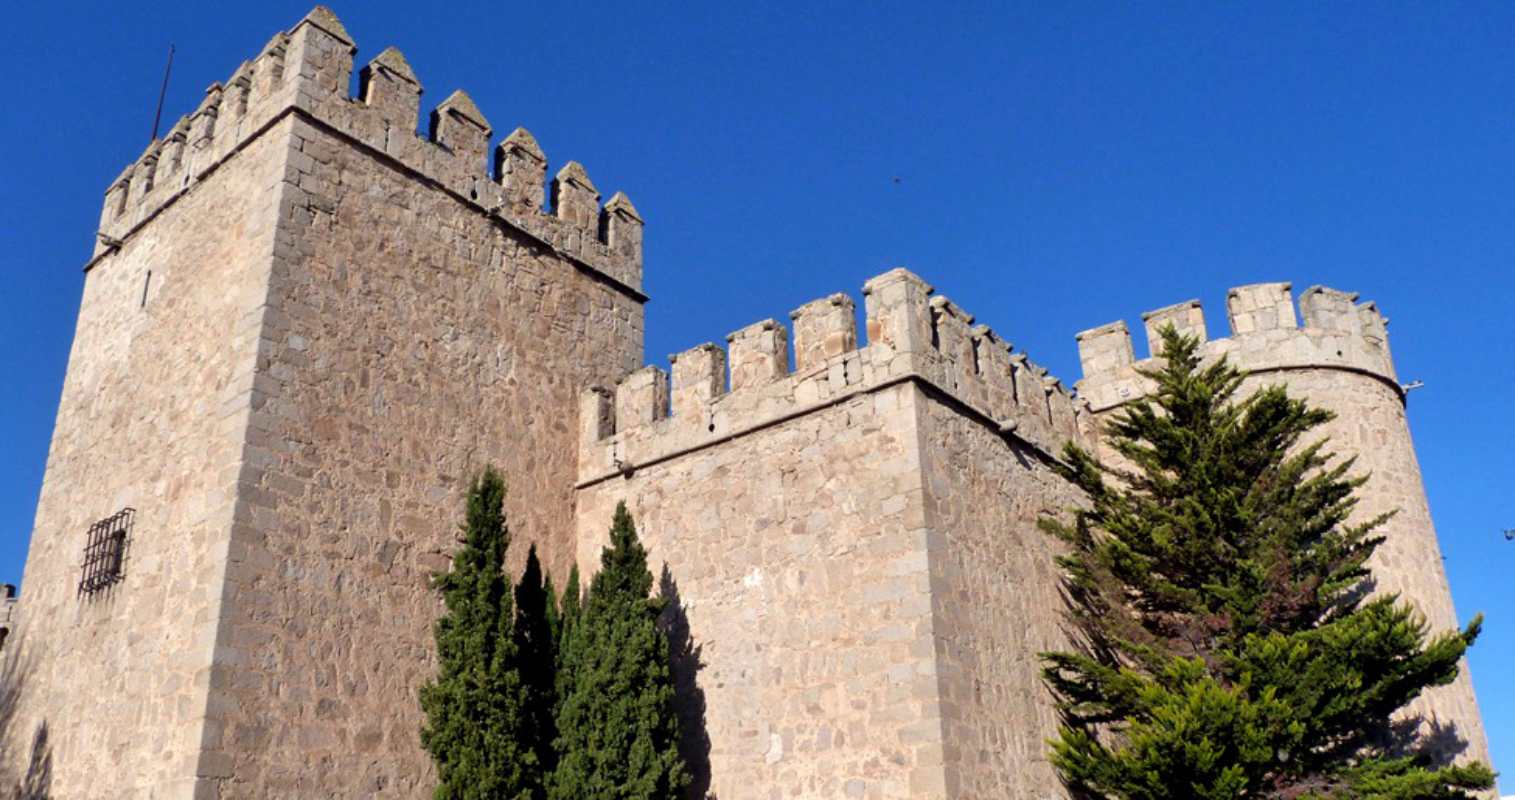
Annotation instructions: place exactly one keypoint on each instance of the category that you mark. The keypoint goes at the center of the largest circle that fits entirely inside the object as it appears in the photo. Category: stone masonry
(7, 614)
(305, 327)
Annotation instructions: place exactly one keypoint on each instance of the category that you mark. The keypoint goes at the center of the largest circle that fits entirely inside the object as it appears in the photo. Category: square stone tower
(304, 328)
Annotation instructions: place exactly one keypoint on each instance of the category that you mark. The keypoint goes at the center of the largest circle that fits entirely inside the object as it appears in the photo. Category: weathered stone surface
(305, 328)
(155, 413)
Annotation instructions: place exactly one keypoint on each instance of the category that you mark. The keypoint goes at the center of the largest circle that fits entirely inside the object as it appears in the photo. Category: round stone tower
(1338, 360)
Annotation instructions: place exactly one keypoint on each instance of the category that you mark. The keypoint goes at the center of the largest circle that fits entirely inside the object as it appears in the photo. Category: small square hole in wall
(105, 552)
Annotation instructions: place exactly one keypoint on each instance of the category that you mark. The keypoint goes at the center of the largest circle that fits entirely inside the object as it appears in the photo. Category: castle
(304, 328)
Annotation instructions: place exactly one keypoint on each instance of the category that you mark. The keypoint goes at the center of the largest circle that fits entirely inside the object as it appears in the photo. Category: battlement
(307, 70)
(911, 335)
(1338, 333)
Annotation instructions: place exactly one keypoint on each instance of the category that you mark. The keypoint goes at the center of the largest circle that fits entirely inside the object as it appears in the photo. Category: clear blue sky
(1057, 168)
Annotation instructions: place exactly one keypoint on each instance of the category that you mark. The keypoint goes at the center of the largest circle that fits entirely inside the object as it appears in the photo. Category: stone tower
(304, 329)
(1338, 360)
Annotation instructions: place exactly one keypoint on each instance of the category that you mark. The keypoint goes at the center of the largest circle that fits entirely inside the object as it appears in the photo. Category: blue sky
(1050, 167)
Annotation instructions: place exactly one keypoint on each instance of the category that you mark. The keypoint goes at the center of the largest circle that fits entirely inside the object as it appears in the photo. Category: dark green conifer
(617, 730)
(475, 709)
(1230, 647)
(567, 619)
(536, 651)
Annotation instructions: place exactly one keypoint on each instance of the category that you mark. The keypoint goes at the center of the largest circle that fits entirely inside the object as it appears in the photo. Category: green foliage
(476, 708)
(567, 619)
(536, 625)
(1219, 585)
(617, 730)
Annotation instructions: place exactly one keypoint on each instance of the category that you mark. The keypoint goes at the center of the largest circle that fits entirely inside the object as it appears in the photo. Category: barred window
(105, 552)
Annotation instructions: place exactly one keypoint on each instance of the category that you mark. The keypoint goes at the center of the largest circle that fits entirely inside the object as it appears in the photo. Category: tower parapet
(1338, 333)
(911, 335)
(306, 71)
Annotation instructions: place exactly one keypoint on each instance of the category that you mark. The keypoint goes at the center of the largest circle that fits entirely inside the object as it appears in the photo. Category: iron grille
(105, 551)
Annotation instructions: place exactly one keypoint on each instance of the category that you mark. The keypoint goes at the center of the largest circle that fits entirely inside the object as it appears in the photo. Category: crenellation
(596, 414)
(1260, 307)
(171, 162)
(1375, 326)
(521, 169)
(1187, 318)
(203, 120)
(898, 315)
(1338, 333)
(759, 354)
(320, 53)
(458, 125)
(621, 227)
(115, 201)
(574, 198)
(239, 93)
(992, 355)
(1105, 349)
(823, 330)
(143, 176)
(1060, 409)
(641, 399)
(307, 71)
(1033, 418)
(952, 337)
(1328, 309)
(389, 85)
(913, 336)
(699, 377)
(269, 66)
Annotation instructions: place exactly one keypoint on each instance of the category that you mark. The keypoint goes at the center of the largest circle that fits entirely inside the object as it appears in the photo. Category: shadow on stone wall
(1428, 740)
(684, 658)
(34, 781)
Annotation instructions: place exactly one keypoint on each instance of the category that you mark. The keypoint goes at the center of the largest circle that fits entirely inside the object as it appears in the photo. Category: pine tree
(475, 709)
(1229, 646)
(617, 731)
(535, 628)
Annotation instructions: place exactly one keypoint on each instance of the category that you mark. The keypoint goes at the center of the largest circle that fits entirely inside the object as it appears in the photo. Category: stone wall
(798, 555)
(996, 603)
(151, 418)
(851, 567)
(411, 339)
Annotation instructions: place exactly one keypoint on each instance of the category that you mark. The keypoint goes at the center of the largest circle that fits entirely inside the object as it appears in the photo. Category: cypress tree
(1230, 646)
(567, 619)
(536, 619)
(617, 730)
(475, 708)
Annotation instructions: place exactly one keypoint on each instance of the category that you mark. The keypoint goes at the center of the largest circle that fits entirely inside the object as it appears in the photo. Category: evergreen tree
(1229, 646)
(535, 624)
(567, 619)
(617, 731)
(476, 707)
